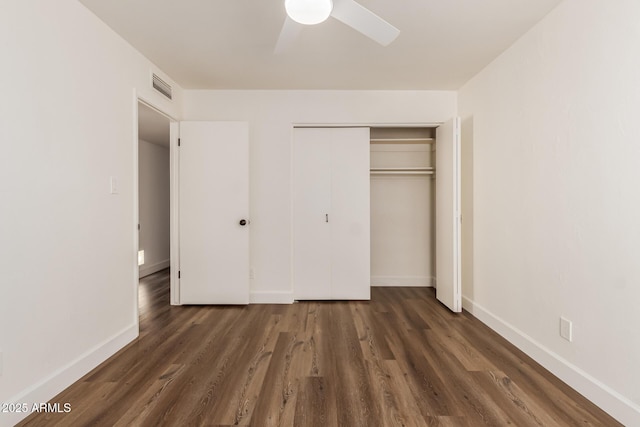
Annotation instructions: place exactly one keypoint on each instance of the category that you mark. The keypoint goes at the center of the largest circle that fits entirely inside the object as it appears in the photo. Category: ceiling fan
(349, 12)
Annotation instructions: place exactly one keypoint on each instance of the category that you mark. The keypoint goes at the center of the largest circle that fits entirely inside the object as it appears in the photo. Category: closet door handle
(326, 217)
(243, 222)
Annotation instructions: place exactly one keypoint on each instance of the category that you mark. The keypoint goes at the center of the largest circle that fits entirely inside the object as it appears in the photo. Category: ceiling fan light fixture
(308, 12)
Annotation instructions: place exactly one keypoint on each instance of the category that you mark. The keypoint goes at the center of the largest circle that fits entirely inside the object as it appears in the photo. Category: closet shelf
(425, 168)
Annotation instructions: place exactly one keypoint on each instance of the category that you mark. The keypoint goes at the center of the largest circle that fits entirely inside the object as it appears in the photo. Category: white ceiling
(228, 44)
(153, 127)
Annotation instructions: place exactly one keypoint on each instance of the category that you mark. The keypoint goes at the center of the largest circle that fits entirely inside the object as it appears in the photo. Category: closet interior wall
(402, 206)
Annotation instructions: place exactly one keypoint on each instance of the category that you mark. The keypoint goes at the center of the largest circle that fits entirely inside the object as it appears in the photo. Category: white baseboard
(411, 281)
(612, 402)
(271, 297)
(153, 268)
(52, 385)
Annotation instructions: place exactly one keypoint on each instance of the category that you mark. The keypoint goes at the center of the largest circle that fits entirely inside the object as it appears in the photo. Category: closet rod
(400, 172)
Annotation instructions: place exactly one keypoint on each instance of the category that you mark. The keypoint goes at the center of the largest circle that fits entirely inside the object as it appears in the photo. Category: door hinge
(178, 142)
(138, 227)
(178, 274)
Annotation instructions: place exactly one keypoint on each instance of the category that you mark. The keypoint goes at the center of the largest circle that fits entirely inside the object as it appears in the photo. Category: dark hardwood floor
(401, 359)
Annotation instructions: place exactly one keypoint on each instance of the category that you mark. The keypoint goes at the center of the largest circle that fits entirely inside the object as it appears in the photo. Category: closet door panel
(312, 203)
(350, 214)
(448, 284)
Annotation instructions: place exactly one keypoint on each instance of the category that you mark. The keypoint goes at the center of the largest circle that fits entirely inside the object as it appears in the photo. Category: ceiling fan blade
(363, 20)
(288, 35)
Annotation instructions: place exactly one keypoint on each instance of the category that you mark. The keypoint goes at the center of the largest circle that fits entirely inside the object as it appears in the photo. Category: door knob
(243, 222)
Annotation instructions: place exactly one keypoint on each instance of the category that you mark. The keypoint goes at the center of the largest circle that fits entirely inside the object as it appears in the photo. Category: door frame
(174, 220)
(141, 99)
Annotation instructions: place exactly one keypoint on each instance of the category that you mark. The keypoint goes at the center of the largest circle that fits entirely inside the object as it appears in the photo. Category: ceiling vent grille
(161, 86)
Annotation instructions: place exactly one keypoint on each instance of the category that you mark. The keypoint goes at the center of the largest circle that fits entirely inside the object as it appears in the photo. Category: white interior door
(213, 201)
(448, 276)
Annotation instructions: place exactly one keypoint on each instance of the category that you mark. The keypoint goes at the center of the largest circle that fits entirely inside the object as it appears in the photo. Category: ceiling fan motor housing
(308, 12)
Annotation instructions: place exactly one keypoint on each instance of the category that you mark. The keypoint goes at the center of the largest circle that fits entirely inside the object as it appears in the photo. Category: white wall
(555, 197)
(271, 115)
(154, 206)
(68, 294)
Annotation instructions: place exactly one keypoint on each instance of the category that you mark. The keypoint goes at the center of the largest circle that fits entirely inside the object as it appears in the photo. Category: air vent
(161, 86)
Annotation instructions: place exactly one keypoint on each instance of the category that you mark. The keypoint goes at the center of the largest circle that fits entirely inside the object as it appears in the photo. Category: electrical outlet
(566, 329)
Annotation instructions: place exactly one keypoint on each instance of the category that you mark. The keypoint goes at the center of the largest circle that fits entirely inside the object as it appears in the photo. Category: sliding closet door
(448, 281)
(214, 209)
(331, 255)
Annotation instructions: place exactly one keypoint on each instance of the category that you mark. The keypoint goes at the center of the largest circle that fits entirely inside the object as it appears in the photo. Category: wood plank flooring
(401, 359)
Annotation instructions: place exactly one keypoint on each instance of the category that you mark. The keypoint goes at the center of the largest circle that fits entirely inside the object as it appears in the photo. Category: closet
(331, 213)
(402, 176)
(376, 206)
(415, 209)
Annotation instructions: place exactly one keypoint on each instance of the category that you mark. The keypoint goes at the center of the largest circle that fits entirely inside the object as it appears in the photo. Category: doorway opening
(410, 222)
(403, 206)
(415, 217)
(154, 205)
